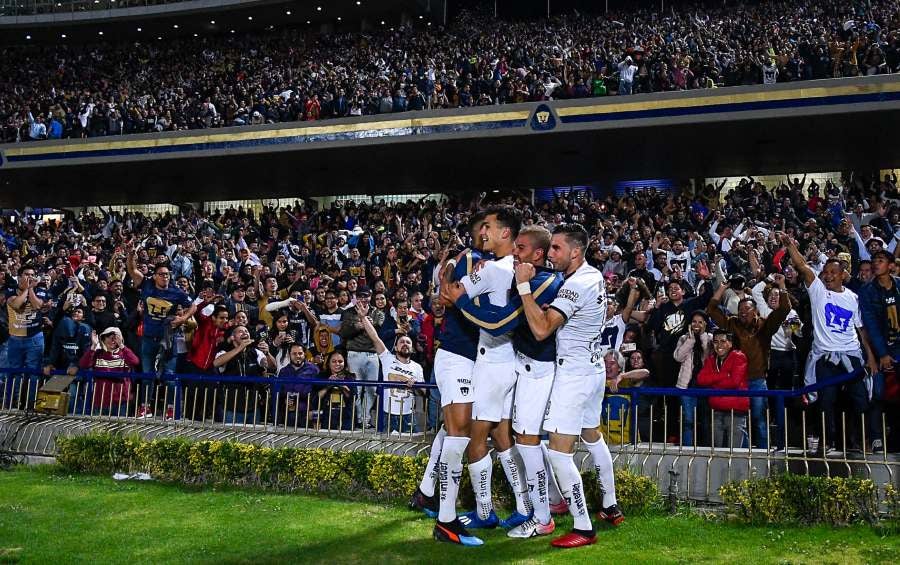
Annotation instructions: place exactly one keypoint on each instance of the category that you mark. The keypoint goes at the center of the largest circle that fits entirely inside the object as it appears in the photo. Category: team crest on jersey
(836, 318)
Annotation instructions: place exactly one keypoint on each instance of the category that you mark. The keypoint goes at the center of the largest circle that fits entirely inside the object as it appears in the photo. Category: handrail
(648, 391)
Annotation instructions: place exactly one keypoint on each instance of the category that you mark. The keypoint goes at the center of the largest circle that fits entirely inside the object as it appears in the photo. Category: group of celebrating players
(517, 359)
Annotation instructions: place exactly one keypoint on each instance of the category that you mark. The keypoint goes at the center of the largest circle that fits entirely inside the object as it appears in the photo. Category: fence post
(672, 494)
(633, 409)
(178, 392)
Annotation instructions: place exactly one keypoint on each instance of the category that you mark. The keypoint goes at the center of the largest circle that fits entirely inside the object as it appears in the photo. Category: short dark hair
(887, 255)
(836, 262)
(476, 220)
(509, 216)
(728, 335)
(575, 234)
(219, 309)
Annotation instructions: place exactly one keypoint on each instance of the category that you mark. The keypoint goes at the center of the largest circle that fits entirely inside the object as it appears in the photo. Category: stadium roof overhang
(82, 22)
(819, 126)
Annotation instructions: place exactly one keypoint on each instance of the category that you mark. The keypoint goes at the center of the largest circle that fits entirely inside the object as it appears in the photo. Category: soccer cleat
(454, 532)
(532, 528)
(611, 515)
(575, 538)
(427, 504)
(514, 520)
(472, 520)
(144, 412)
(559, 508)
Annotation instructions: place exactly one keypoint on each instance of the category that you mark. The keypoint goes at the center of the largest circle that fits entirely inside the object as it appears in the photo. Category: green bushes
(355, 474)
(801, 499)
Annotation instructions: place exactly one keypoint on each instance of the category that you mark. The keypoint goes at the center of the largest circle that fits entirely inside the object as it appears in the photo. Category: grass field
(49, 517)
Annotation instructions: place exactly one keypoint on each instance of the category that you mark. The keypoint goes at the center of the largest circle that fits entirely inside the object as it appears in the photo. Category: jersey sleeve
(496, 320)
(569, 300)
(386, 359)
(484, 280)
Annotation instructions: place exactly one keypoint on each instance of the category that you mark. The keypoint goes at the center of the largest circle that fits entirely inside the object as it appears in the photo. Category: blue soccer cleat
(514, 520)
(473, 521)
(454, 532)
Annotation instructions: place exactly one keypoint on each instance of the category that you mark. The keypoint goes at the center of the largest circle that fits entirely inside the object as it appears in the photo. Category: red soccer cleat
(612, 516)
(559, 508)
(575, 538)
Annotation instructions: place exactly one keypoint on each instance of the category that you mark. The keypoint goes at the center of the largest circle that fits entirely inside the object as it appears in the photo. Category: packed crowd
(273, 294)
(96, 89)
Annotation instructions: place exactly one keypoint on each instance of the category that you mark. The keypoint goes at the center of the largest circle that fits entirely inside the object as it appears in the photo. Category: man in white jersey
(395, 367)
(577, 315)
(837, 334)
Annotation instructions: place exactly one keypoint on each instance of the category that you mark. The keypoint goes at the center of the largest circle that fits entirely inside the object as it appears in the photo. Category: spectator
(241, 356)
(726, 369)
(753, 336)
(879, 301)
(362, 359)
(109, 354)
(296, 396)
(335, 403)
(693, 348)
(838, 341)
(25, 297)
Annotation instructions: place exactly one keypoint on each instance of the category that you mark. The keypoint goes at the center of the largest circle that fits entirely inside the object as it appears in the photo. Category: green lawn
(50, 517)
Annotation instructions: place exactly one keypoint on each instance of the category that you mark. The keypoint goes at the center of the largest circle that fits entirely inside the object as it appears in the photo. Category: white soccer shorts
(453, 376)
(534, 380)
(495, 383)
(576, 402)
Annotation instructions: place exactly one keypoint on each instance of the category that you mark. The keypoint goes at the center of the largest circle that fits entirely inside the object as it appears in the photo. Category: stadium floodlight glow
(27, 37)
(421, 17)
(159, 37)
(99, 33)
(382, 22)
(212, 22)
(63, 36)
(288, 13)
(318, 8)
(249, 18)
(196, 35)
(175, 26)
(139, 29)
(308, 22)
(339, 18)
(358, 2)
(232, 31)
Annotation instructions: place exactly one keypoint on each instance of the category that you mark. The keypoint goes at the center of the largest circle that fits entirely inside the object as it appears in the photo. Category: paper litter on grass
(132, 477)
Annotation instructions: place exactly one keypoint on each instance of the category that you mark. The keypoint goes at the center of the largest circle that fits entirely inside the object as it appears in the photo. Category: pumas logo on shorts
(464, 390)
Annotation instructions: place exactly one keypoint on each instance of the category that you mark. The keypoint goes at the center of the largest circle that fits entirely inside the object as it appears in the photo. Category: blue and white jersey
(494, 279)
(459, 335)
(499, 320)
(835, 317)
(612, 334)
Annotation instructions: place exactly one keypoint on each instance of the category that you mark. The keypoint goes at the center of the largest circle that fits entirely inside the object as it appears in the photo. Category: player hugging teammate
(530, 371)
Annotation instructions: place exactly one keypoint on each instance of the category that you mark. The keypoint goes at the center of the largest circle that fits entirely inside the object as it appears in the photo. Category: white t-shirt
(626, 71)
(611, 335)
(399, 401)
(582, 300)
(495, 279)
(682, 259)
(835, 317)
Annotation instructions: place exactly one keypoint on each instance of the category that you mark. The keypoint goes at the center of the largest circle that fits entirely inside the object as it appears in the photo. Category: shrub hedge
(801, 499)
(356, 474)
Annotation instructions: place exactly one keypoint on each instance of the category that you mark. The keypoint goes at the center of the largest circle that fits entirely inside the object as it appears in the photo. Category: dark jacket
(875, 313)
(356, 339)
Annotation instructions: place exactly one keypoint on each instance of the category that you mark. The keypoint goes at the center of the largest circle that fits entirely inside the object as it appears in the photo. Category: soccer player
(577, 315)
(494, 375)
(453, 366)
(534, 372)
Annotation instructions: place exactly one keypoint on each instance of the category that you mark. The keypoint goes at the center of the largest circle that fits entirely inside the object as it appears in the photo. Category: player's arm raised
(542, 322)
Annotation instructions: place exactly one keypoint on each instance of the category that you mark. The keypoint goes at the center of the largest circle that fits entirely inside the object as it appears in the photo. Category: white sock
(513, 467)
(603, 463)
(449, 475)
(536, 476)
(552, 485)
(480, 474)
(429, 480)
(572, 488)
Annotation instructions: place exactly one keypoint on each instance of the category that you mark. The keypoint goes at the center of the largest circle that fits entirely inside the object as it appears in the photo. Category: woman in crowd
(691, 352)
(335, 403)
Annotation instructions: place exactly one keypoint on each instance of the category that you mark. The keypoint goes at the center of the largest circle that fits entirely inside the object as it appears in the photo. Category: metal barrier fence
(688, 448)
